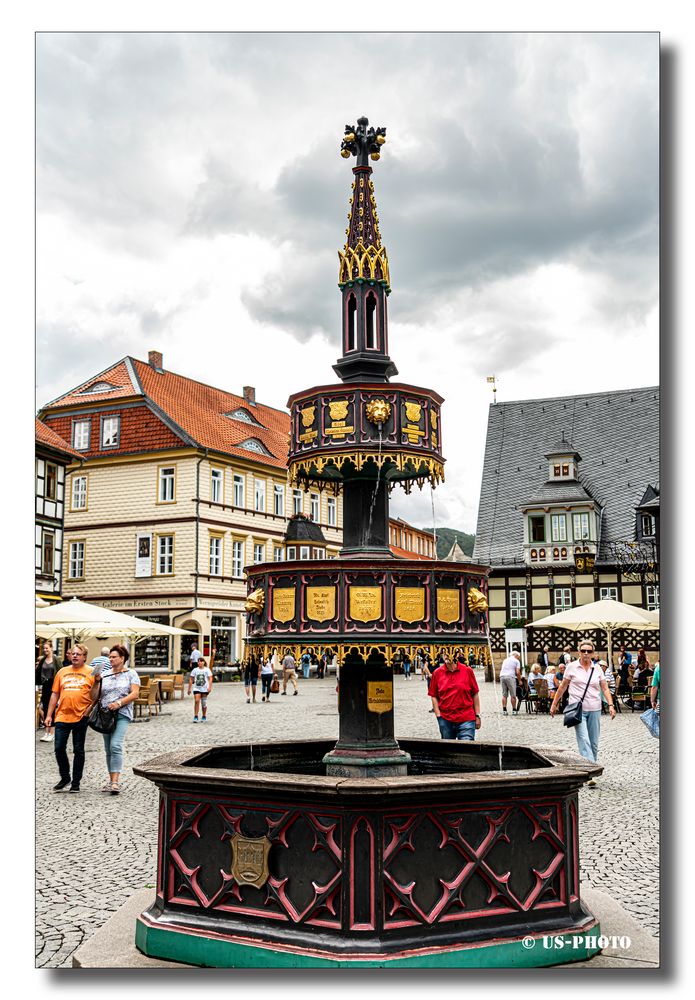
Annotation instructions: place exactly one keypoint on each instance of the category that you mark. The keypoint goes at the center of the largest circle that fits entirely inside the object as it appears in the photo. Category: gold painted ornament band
(389, 650)
(414, 466)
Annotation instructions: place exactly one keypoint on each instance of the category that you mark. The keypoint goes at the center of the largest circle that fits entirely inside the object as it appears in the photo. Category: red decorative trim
(371, 924)
(574, 834)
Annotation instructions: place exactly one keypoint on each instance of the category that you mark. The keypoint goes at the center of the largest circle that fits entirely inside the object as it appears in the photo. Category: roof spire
(363, 257)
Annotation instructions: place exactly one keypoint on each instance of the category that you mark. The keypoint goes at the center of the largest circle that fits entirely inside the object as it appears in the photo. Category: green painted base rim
(530, 952)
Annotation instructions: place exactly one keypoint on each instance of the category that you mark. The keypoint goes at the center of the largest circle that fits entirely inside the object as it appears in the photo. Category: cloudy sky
(191, 199)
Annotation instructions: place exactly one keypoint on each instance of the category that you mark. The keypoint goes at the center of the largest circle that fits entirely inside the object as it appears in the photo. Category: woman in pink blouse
(577, 675)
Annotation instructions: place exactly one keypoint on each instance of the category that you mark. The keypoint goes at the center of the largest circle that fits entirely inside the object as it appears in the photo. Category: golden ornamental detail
(365, 262)
(255, 602)
(250, 860)
(413, 412)
(420, 466)
(434, 418)
(378, 411)
(391, 651)
(308, 414)
(477, 602)
(338, 409)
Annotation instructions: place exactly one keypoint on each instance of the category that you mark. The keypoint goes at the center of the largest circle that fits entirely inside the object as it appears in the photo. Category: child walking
(200, 680)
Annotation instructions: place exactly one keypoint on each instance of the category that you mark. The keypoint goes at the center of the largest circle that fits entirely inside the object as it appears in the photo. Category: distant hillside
(446, 538)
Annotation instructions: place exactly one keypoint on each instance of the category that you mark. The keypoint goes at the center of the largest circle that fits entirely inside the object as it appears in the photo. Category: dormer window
(244, 416)
(97, 387)
(253, 444)
(648, 530)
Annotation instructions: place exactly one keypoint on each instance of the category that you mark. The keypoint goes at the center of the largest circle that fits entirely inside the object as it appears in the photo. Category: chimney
(250, 395)
(155, 360)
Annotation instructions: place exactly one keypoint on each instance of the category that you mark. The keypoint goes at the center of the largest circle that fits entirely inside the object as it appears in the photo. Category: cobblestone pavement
(94, 850)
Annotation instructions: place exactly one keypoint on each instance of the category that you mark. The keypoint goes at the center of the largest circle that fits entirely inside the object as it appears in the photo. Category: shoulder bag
(274, 685)
(100, 719)
(572, 715)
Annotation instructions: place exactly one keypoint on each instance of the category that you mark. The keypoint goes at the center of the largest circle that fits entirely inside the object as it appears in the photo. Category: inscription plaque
(283, 604)
(320, 603)
(448, 605)
(365, 603)
(410, 604)
(379, 696)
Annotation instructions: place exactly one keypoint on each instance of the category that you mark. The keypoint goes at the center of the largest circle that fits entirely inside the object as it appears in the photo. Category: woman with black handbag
(118, 688)
(584, 680)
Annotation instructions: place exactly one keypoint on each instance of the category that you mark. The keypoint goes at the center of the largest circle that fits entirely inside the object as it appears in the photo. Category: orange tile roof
(44, 435)
(407, 554)
(197, 409)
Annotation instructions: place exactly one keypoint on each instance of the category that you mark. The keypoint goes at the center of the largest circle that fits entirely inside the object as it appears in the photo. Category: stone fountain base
(264, 860)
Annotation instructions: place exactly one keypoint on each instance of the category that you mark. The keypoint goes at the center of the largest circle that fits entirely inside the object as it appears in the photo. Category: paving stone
(82, 840)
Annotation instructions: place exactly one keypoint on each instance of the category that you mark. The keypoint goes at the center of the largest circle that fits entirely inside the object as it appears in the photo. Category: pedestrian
(289, 672)
(406, 665)
(644, 667)
(323, 662)
(584, 682)
(267, 677)
(456, 701)
(471, 658)
(117, 687)
(550, 675)
(102, 660)
(510, 677)
(565, 656)
(655, 690)
(251, 678)
(305, 661)
(624, 664)
(200, 679)
(46, 669)
(535, 677)
(70, 701)
(543, 660)
(194, 655)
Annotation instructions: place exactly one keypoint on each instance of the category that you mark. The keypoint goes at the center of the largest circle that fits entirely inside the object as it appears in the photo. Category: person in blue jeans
(585, 680)
(116, 687)
(455, 699)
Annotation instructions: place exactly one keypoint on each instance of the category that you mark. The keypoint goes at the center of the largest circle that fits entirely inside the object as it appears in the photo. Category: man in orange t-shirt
(71, 688)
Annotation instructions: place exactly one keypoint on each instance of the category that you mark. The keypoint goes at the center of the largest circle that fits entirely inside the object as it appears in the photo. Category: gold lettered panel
(410, 604)
(379, 696)
(320, 603)
(448, 605)
(283, 604)
(365, 604)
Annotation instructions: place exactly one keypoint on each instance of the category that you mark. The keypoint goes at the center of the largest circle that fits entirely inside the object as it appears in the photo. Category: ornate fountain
(371, 851)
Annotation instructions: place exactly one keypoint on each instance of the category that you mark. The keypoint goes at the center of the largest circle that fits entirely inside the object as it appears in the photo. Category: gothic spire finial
(362, 142)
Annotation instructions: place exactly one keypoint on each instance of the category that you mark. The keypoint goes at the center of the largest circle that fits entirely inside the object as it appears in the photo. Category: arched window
(350, 342)
(370, 322)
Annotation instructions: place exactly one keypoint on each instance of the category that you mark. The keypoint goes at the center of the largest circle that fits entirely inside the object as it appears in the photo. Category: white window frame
(652, 590)
(649, 518)
(239, 490)
(165, 555)
(332, 508)
(259, 495)
(217, 485)
(78, 493)
(291, 552)
(558, 527)
(315, 507)
(113, 421)
(278, 500)
(297, 501)
(304, 552)
(278, 553)
(163, 482)
(608, 594)
(215, 555)
(562, 598)
(258, 553)
(237, 558)
(76, 560)
(81, 434)
(518, 603)
(581, 534)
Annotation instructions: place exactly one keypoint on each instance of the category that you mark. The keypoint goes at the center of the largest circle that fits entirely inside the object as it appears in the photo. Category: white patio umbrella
(75, 618)
(607, 615)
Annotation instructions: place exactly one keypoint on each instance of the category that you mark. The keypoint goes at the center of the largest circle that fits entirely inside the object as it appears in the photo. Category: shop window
(153, 651)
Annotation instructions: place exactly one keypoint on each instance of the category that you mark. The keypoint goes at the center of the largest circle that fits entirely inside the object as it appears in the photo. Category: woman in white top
(585, 681)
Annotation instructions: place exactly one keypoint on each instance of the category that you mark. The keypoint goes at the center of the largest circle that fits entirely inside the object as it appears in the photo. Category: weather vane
(362, 142)
(493, 380)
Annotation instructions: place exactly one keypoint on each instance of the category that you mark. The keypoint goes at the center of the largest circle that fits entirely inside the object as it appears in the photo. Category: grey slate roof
(617, 435)
(570, 491)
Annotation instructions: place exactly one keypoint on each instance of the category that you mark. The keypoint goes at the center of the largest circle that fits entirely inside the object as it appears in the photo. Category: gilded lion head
(378, 411)
(255, 602)
(477, 602)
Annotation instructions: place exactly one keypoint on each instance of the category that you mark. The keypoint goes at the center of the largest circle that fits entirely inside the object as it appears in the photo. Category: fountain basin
(266, 861)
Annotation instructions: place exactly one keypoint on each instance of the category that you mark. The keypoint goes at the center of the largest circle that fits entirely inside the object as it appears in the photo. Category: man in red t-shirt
(454, 693)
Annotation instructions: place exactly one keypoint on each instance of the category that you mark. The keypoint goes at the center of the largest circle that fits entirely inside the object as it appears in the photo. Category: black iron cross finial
(362, 142)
